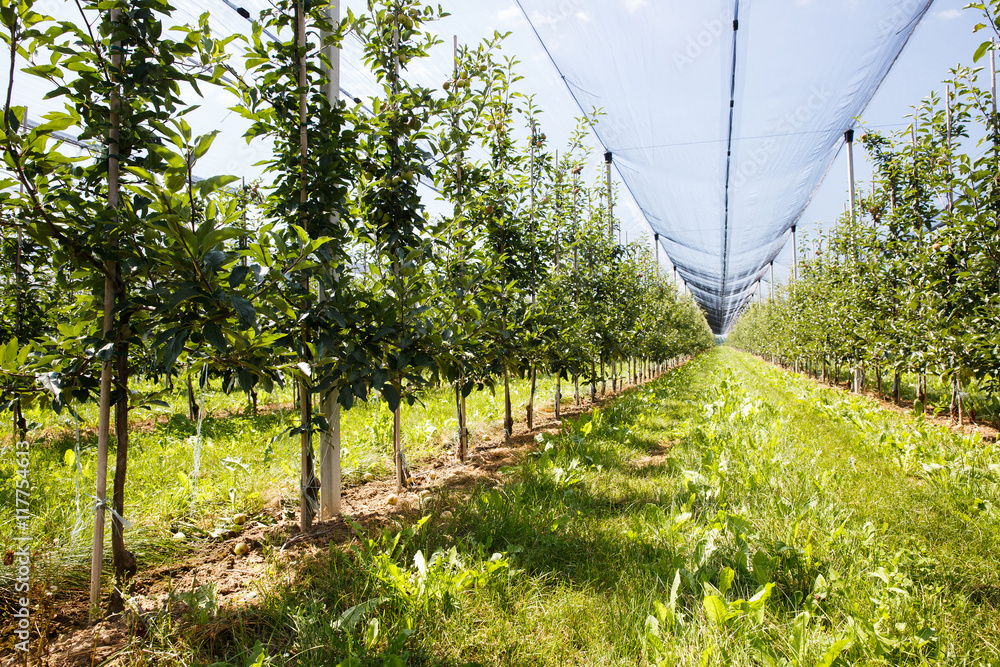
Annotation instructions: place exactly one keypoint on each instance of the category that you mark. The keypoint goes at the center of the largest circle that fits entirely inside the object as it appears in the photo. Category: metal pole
(849, 137)
(771, 281)
(993, 97)
(608, 158)
(951, 189)
(656, 245)
(795, 257)
(558, 211)
(329, 440)
(993, 78)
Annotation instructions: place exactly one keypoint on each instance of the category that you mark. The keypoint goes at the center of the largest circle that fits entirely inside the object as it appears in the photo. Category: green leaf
(238, 275)
(800, 638)
(176, 181)
(715, 609)
(182, 295)
(174, 348)
(981, 51)
(833, 653)
(245, 311)
(214, 335)
(203, 144)
(391, 396)
(214, 183)
(10, 353)
(726, 580)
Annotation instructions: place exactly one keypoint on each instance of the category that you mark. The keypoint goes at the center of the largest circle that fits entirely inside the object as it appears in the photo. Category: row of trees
(332, 276)
(911, 283)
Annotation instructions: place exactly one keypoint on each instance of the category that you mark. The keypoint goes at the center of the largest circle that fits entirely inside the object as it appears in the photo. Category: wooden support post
(557, 399)
(462, 448)
(530, 410)
(399, 456)
(20, 424)
(329, 440)
(308, 484)
(107, 365)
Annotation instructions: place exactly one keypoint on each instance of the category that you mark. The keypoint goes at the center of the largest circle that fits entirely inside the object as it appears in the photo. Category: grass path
(726, 514)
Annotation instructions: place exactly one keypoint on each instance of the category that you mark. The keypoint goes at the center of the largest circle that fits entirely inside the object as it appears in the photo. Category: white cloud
(949, 14)
(539, 18)
(508, 17)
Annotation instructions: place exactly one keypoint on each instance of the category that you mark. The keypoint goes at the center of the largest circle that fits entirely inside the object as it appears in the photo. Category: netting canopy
(723, 116)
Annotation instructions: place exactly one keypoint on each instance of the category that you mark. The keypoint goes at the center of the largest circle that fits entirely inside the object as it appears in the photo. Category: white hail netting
(723, 189)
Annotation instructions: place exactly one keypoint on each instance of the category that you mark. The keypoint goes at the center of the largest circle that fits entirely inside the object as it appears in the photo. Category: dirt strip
(72, 642)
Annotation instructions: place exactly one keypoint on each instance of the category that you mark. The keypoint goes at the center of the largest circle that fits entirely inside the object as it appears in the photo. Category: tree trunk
(576, 389)
(953, 408)
(558, 396)
(398, 455)
(193, 409)
(122, 558)
(508, 413)
(958, 391)
(530, 410)
(20, 424)
(308, 484)
(593, 382)
(462, 451)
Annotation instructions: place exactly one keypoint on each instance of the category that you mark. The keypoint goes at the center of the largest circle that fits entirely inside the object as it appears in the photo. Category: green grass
(245, 461)
(976, 398)
(726, 514)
